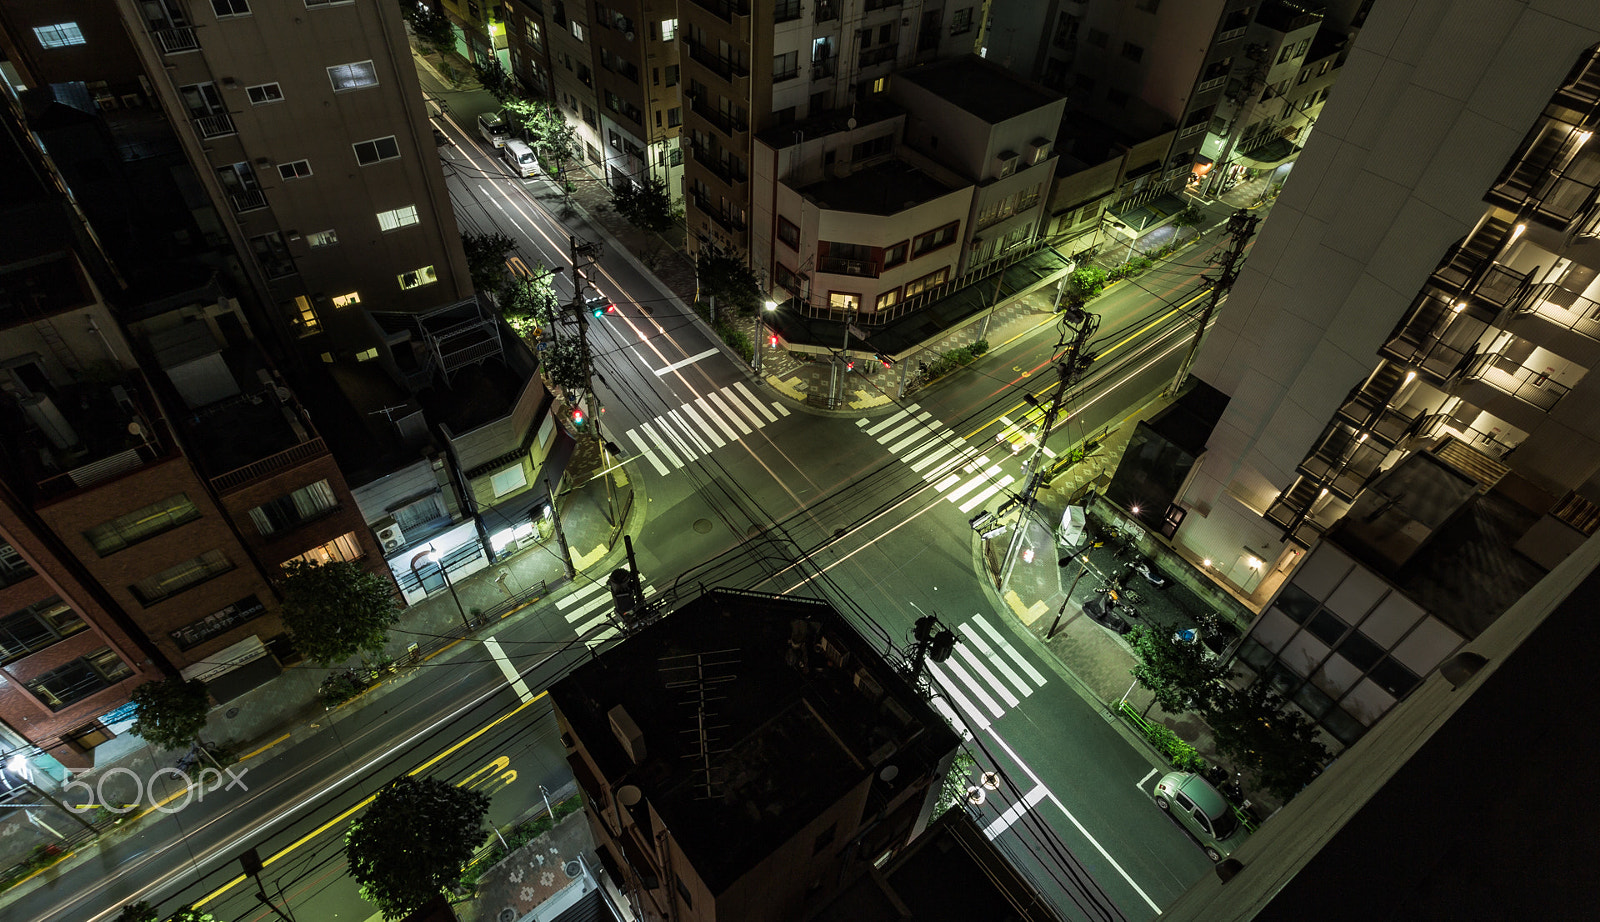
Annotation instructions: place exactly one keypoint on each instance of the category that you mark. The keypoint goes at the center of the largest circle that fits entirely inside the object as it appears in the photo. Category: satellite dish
(850, 122)
(629, 794)
(135, 429)
(889, 773)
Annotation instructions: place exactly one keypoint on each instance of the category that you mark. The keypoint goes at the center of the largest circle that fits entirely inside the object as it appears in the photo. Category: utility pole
(561, 536)
(1241, 227)
(589, 253)
(1067, 371)
(934, 642)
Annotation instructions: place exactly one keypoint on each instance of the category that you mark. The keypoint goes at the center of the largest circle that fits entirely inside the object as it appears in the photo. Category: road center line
(510, 671)
(688, 361)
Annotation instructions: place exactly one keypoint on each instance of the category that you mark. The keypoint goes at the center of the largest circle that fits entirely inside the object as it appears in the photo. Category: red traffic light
(578, 418)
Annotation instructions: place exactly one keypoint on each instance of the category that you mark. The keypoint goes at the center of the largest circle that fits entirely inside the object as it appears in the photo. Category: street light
(417, 561)
(760, 332)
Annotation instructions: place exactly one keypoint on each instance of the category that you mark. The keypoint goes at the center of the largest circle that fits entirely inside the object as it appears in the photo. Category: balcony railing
(176, 41)
(874, 56)
(821, 69)
(297, 454)
(1519, 381)
(1566, 309)
(726, 68)
(214, 126)
(1440, 424)
(725, 10)
(728, 124)
(723, 169)
(1229, 35)
(726, 219)
(1213, 83)
(855, 267)
(248, 200)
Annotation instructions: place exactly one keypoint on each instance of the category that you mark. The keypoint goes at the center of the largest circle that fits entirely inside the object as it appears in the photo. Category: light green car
(1202, 812)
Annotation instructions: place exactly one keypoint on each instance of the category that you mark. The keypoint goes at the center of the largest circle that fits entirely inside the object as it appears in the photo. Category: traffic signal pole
(589, 253)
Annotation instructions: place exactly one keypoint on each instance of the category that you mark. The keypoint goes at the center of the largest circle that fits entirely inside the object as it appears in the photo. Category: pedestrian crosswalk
(590, 611)
(943, 458)
(679, 436)
(984, 677)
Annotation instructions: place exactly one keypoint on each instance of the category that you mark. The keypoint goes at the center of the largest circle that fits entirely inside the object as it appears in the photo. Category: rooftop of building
(884, 188)
(1328, 41)
(981, 87)
(1288, 15)
(804, 711)
(1447, 546)
(868, 111)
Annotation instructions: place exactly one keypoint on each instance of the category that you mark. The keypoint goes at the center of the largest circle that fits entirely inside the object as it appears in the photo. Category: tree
(726, 277)
(191, 914)
(528, 302)
(1263, 735)
(138, 912)
(430, 25)
(1181, 676)
(562, 364)
(547, 130)
(494, 78)
(336, 610)
(486, 258)
(170, 713)
(956, 782)
(1087, 281)
(413, 841)
(647, 204)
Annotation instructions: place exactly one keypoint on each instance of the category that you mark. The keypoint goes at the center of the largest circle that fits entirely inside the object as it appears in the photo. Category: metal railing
(248, 200)
(723, 170)
(214, 126)
(727, 124)
(723, 218)
(839, 266)
(1440, 424)
(271, 464)
(176, 40)
(1506, 375)
(726, 68)
(1581, 315)
(928, 295)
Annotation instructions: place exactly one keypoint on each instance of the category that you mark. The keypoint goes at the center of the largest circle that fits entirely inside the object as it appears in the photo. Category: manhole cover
(840, 532)
(573, 868)
(232, 713)
(754, 531)
(507, 915)
(703, 526)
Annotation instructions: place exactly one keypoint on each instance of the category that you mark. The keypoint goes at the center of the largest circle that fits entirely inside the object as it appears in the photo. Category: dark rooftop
(885, 188)
(1287, 16)
(866, 112)
(986, 90)
(805, 711)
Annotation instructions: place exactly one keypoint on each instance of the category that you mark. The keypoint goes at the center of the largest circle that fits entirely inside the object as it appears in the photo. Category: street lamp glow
(771, 305)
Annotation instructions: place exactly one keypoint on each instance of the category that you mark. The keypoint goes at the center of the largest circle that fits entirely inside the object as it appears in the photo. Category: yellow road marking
(255, 752)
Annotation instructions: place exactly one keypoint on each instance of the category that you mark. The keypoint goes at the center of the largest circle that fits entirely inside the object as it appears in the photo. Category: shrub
(1088, 281)
(980, 347)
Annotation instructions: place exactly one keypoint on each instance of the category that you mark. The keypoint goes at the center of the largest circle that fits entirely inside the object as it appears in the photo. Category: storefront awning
(1271, 154)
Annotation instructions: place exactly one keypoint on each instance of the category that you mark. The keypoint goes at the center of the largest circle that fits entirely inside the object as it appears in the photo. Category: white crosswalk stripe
(943, 459)
(701, 426)
(589, 609)
(986, 676)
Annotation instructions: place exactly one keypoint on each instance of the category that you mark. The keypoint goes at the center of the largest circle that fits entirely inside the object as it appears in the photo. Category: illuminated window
(398, 218)
(344, 547)
(305, 315)
(880, 84)
(577, 30)
(844, 300)
(417, 278)
(79, 679)
(291, 510)
(264, 93)
(173, 580)
(889, 299)
(669, 30)
(59, 35)
(353, 297)
(367, 355)
(325, 238)
(353, 76)
(130, 528)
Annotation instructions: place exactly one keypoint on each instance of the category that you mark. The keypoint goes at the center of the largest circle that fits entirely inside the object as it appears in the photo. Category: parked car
(1202, 812)
(493, 129)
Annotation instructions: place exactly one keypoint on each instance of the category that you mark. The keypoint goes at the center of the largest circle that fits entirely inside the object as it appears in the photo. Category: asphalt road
(746, 492)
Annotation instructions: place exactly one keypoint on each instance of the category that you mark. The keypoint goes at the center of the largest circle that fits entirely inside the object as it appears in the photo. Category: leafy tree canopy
(562, 364)
(336, 610)
(546, 127)
(494, 78)
(648, 204)
(733, 283)
(1181, 676)
(429, 23)
(1263, 735)
(170, 713)
(486, 258)
(528, 303)
(138, 912)
(413, 841)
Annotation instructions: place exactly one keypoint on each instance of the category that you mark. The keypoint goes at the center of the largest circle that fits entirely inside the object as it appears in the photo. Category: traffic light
(887, 362)
(772, 341)
(600, 310)
(578, 417)
(850, 365)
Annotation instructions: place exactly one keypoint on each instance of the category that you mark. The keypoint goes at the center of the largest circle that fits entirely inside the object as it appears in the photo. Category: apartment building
(311, 172)
(1409, 444)
(747, 757)
(871, 214)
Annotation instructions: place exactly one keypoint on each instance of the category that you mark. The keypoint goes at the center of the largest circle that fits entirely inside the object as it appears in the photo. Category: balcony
(726, 220)
(248, 200)
(1228, 35)
(1528, 385)
(727, 123)
(827, 10)
(1207, 85)
(874, 56)
(1566, 309)
(854, 267)
(730, 171)
(725, 10)
(726, 68)
(214, 126)
(1344, 462)
(821, 69)
(176, 41)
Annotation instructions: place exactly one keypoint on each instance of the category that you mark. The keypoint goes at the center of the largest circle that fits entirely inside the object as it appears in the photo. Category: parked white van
(520, 158)
(494, 129)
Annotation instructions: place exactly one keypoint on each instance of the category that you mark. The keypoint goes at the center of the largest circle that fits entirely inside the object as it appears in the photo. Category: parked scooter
(1153, 576)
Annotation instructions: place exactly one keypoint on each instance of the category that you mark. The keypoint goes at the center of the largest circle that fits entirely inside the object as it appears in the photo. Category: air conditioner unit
(390, 536)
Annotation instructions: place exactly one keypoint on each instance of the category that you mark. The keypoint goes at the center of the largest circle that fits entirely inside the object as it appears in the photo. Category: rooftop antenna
(702, 673)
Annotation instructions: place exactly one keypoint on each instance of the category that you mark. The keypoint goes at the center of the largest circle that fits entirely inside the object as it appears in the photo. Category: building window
(224, 8)
(895, 255)
(79, 679)
(376, 150)
(888, 299)
(509, 480)
(59, 35)
(933, 240)
(304, 315)
(674, 117)
(36, 627)
(785, 66)
(294, 509)
(577, 30)
(669, 30)
(353, 76)
(13, 569)
(931, 280)
(1099, 38)
(367, 355)
(263, 93)
(344, 547)
(880, 85)
(788, 232)
(129, 529)
(353, 297)
(297, 169)
(272, 255)
(417, 278)
(313, 4)
(882, 144)
(535, 37)
(398, 218)
(844, 300)
(961, 21)
(186, 575)
(322, 239)
(675, 157)
(1132, 52)
(785, 278)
